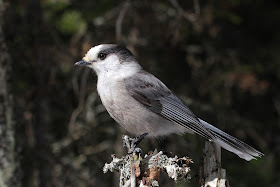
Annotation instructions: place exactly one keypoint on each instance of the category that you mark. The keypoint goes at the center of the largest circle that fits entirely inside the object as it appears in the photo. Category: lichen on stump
(147, 169)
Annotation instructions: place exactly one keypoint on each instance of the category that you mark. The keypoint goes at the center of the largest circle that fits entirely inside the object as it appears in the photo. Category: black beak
(82, 63)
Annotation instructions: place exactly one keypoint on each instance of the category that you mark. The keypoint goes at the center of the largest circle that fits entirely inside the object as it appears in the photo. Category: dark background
(221, 57)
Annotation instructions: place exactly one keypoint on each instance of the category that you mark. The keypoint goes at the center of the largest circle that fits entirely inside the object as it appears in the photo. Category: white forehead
(92, 53)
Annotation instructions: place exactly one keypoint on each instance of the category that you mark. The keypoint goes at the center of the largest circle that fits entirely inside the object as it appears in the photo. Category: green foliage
(68, 21)
(71, 22)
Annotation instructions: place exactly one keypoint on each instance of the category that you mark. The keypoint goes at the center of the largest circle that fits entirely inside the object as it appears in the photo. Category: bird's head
(109, 58)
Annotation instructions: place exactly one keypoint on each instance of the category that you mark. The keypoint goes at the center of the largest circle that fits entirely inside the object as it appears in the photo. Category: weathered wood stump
(136, 170)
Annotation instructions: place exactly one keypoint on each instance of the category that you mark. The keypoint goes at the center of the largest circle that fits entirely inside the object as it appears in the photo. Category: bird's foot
(130, 144)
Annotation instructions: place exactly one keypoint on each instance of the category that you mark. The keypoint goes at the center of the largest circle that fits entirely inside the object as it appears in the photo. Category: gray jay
(141, 103)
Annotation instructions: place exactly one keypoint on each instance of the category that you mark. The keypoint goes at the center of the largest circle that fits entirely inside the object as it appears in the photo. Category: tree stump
(211, 173)
(136, 170)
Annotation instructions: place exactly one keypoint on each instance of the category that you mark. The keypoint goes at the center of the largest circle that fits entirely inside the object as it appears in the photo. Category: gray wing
(153, 94)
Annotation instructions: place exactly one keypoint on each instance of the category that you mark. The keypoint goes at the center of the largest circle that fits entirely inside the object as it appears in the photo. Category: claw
(136, 141)
(133, 143)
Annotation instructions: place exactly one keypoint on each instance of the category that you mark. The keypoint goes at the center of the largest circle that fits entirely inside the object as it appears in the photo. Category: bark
(211, 172)
(9, 166)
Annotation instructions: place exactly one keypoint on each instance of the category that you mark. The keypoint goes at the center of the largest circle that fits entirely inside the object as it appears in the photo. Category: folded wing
(153, 94)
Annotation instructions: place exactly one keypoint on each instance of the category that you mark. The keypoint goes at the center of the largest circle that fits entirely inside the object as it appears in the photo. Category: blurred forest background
(221, 57)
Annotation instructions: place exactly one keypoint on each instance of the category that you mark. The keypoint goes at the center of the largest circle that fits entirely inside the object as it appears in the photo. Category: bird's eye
(102, 56)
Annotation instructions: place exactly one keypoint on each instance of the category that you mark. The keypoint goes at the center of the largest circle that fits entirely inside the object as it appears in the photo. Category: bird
(141, 103)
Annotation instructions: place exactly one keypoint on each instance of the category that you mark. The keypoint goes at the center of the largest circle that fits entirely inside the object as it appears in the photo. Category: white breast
(107, 90)
(110, 83)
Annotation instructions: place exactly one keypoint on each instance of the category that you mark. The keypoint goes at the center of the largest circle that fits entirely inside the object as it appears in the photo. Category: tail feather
(232, 144)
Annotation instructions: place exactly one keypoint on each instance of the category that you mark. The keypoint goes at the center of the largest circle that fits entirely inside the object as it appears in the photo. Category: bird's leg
(130, 144)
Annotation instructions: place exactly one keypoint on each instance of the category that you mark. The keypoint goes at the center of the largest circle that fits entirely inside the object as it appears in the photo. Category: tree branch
(120, 20)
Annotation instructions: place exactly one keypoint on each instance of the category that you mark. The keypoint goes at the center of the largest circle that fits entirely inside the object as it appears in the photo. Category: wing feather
(153, 94)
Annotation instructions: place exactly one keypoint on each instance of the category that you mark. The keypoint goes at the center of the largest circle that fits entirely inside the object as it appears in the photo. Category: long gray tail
(232, 144)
